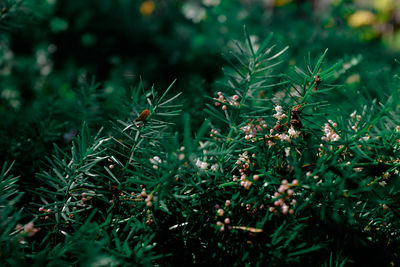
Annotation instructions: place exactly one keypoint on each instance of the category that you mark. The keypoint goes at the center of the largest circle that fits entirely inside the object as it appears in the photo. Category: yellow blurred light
(384, 5)
(361, 18)
(282, 2)
(147, 8)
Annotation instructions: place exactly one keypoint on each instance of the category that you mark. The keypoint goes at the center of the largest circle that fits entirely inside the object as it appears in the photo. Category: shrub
(281, 172)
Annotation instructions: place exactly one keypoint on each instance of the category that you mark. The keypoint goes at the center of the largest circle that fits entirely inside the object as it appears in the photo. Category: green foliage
(292, 161)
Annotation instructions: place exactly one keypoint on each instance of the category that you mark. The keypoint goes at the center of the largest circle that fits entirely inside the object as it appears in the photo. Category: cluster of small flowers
(148, 198)
(231, 101)
(330, 134)
(252, 127)
(244, 164)
(293, 133)
(202, 164)
(358, 118)
(26, 230)
(279, 115)
(214, 132)
(220, 213)
(155, 161)
(283, 136)
(46, 217)
(286, 136)
(283, 196)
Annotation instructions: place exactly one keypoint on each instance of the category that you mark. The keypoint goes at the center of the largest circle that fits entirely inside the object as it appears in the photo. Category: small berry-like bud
(285, 209)
(220, 212)
(282, 189)
(224, 107)
(256, 177)
(227, 221)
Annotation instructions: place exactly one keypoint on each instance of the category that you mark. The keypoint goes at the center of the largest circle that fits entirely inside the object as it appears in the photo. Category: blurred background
(63, 62)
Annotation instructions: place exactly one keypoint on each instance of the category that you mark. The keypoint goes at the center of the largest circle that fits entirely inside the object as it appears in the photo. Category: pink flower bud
(285, 209)
(271, 209)
(282, 189)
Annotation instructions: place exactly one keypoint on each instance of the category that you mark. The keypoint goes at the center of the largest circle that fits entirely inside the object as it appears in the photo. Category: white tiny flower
(214, 167)
(365, 138)
(278, 109)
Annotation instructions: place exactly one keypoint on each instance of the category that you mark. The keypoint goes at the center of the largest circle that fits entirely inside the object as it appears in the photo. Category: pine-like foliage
(279, 174)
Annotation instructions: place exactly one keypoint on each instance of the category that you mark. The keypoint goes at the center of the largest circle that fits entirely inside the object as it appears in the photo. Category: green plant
(278, 174)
